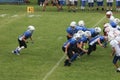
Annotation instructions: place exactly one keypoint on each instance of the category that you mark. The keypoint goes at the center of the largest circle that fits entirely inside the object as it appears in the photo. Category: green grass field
(44, 59)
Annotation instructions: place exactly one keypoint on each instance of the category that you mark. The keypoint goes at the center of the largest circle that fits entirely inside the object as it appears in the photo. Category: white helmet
(107, 29)
(73, 24)
(117, 21)
(87, 33)
(97, 29)
(76, 36)
(118, 27)
(32, 28)
(106, 25)
(81, 23)
(80, 32)
(109, 13)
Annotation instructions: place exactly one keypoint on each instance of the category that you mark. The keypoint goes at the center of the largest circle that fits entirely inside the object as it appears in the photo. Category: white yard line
(52, 70)
(99, 21)
(57, 64)
(15, 15)
(3, 15)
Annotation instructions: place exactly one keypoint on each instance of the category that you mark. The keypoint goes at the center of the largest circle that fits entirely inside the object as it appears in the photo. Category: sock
(74, 57)
(105, 44)
(81, 7)
(66, 62)
(118, 9)
(20, 48)
(82, 53)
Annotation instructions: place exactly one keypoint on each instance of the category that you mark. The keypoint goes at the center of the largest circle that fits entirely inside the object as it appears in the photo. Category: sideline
(57, 64)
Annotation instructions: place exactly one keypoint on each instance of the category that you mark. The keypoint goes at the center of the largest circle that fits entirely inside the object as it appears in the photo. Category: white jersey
(90, 1)
(118, 27)
(116, 45)
(111, 35)
(109, 28)
(111, 19)
(117, 38)
(117, 0)
(116, 32)
(72, 1)
(109, 0)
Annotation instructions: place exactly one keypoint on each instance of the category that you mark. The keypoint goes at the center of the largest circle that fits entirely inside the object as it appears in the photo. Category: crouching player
(72, 29)
(22, 39)
(96, 40)
(94, 31)
(115, 52)
(82, 42)
(69, 49)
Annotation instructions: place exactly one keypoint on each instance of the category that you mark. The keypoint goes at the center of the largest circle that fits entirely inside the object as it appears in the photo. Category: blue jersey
(93, 33)
(83, 39)
(83, 28)
(72, 31)
(71, 41)
(94, 40)
(27, 34)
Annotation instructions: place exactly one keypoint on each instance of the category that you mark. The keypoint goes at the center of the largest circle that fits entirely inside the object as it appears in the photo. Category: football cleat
(16, 52)
(118, 70)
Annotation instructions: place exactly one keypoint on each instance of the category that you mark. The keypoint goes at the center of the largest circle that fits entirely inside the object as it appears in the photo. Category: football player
(22, 39)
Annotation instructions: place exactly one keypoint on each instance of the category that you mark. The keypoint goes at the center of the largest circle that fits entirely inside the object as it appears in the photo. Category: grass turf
(39, 58)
